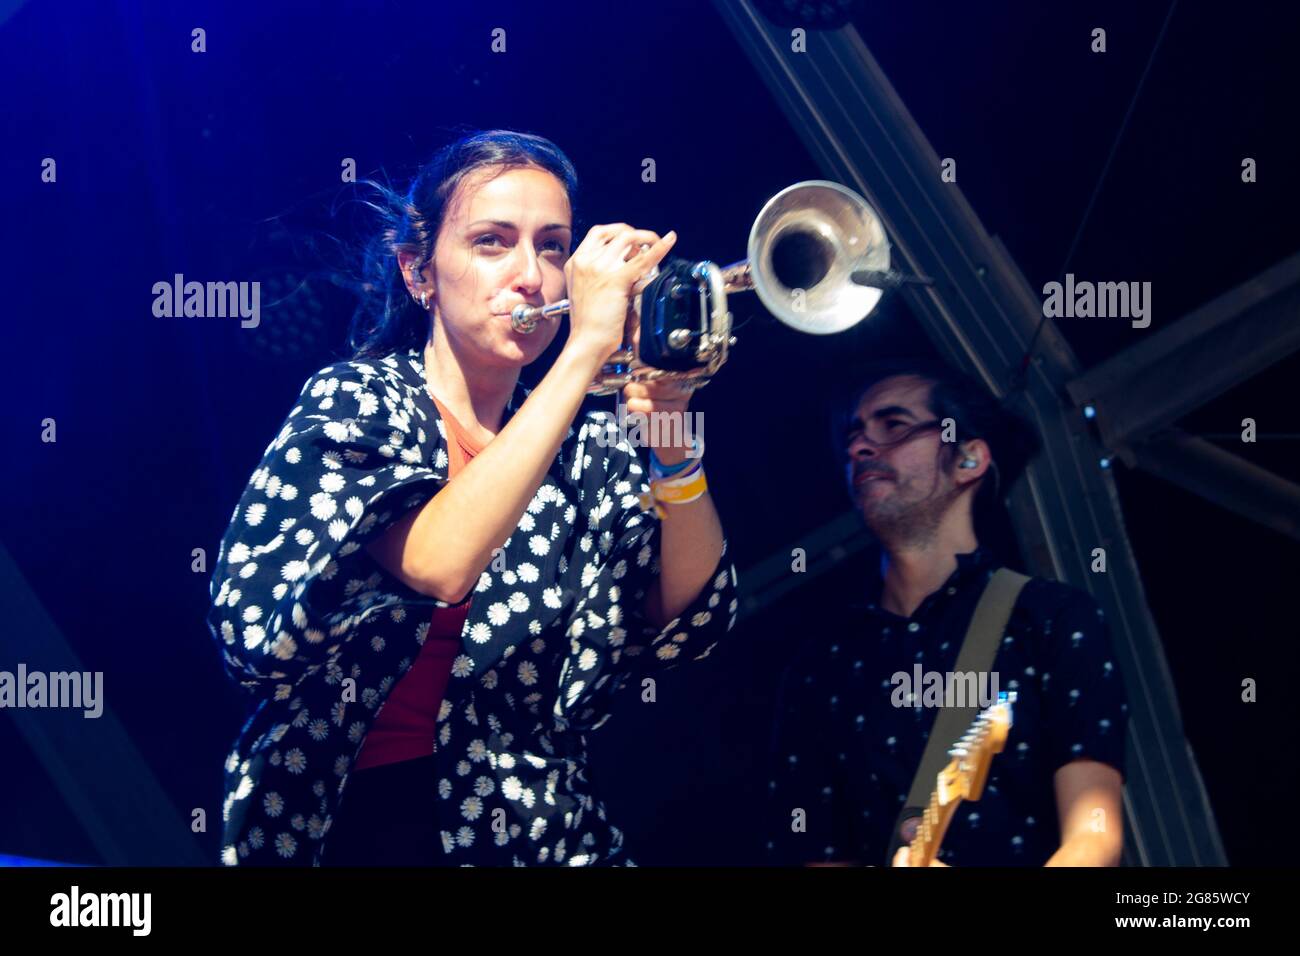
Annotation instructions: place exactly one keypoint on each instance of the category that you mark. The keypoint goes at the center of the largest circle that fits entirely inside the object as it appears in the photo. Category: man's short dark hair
(1012, 440)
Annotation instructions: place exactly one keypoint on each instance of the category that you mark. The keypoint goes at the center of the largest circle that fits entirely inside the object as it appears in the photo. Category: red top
(407, 723)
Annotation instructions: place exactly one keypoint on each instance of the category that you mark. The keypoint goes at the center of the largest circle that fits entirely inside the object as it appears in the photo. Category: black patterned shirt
(845, 751)
(318, 632)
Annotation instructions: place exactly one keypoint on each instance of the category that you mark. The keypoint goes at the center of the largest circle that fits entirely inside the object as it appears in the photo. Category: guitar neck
(962, 779)
(929, 835)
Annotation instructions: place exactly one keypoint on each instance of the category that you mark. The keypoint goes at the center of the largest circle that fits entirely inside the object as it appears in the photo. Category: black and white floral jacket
(318, 632)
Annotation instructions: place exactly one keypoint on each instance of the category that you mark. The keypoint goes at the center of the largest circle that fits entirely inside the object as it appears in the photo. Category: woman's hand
(662, 396)
(659, 395)
(600, 275)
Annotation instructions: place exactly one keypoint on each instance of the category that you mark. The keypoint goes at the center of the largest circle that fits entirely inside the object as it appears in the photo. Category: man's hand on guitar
(900, 858)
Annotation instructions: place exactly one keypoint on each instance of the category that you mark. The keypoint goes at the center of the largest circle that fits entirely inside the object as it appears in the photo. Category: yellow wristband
(680, 490)
(674, 491)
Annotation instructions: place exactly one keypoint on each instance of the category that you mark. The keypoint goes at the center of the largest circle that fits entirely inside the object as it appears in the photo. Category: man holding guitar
(926, 449)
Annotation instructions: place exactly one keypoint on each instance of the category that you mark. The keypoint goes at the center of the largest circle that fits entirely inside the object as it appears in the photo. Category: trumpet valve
(679, 339)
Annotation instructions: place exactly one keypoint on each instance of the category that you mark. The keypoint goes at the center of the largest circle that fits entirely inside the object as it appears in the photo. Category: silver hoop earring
(424, 301)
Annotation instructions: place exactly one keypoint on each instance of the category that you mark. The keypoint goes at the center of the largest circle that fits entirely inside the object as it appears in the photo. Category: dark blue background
(221, 165)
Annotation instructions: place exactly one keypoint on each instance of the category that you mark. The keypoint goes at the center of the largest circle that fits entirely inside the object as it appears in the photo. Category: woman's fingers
(607, 237)
(657, 395)
(628, 246)
(621, 240)
(652, 252)
(604, 233)
(613, 230)
(635, 240)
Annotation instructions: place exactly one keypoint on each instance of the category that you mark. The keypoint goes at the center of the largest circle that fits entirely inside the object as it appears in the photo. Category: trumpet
(818, 259)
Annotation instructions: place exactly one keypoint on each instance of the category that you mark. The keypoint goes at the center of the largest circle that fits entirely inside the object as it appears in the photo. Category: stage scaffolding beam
(980, 315)
(1160, 378)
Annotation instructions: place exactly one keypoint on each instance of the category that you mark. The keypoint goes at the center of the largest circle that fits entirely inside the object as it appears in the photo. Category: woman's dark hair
(1012, 440)
(387, 319)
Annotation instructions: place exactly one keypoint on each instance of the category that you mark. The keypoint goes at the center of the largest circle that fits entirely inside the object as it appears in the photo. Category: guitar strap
(978, 650)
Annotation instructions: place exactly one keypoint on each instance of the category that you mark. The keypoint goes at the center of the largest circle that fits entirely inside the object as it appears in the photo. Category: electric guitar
(963, 778)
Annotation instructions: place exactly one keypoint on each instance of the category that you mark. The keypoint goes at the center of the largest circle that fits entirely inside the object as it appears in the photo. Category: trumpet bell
(805, 247)
(818, 260)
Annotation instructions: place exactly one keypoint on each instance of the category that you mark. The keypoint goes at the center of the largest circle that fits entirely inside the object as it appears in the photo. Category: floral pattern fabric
(318, 632)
